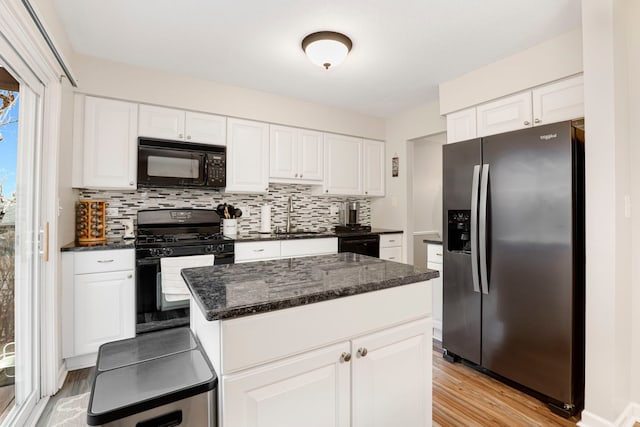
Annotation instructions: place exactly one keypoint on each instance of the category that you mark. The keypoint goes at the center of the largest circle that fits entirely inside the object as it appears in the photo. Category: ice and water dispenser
(458, 227)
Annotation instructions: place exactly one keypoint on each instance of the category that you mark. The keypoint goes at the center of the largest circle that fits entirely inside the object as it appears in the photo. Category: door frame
(28, 54)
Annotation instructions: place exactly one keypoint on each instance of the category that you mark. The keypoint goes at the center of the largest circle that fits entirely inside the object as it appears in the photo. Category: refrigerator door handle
(474, 228)
(482, 229)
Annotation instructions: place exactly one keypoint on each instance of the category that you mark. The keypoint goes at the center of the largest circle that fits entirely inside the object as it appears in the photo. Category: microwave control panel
(217, 169)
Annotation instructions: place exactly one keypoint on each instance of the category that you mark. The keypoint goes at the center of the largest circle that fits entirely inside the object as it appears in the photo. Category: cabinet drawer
(306, 247)
(256, 251)
(103, 261)
(434, 253)
(391, 254)
(390, 240)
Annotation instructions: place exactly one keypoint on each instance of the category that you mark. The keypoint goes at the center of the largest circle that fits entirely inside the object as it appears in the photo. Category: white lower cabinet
(391, 247)
(311, 389)
(395, 362)
(434, 262)
(276, 249)
(98, 302)
(377, 380)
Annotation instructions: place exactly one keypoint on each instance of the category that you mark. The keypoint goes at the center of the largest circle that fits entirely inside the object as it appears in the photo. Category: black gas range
(163, 233)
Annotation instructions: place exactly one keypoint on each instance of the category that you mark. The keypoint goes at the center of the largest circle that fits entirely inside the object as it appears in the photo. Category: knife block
(91, 227)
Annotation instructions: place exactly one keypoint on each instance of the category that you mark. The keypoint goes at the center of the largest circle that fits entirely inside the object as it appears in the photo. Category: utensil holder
(91, 226)
(230, 227)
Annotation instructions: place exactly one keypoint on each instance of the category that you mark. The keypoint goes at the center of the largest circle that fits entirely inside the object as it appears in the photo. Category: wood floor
(463, 396)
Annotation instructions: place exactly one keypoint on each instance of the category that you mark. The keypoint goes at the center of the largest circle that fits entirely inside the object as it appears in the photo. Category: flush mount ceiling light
(326, 48)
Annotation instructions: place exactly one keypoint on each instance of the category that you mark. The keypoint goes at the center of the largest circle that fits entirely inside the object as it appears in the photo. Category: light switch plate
(245, 211)
(112, 211)
(334, 210)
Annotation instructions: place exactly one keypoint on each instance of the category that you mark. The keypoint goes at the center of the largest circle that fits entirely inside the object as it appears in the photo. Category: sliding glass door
(20, 240)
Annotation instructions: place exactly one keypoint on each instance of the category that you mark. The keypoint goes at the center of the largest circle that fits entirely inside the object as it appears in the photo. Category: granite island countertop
(255, 236)
(235, 290)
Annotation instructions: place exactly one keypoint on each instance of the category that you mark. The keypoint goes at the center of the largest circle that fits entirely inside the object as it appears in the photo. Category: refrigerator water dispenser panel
(459, 226)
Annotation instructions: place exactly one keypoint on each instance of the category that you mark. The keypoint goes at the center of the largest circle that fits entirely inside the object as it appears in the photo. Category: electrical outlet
(112, 211)
(334, 210)
(245, 211)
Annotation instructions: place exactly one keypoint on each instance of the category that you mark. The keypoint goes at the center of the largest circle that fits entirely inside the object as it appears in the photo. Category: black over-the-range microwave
(178, 164)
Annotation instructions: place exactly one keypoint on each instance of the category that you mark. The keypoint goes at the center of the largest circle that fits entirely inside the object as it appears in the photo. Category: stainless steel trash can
(157, 379)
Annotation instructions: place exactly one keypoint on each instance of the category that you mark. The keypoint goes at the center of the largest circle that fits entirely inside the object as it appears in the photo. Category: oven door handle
(148, 261)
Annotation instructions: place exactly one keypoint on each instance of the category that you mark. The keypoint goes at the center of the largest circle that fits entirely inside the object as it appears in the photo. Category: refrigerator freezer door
(461, 304)
(528, 311)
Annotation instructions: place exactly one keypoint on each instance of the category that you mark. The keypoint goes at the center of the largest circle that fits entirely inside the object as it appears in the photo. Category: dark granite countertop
(109, 244)
(235, 290)
(434, 238)
(255, 236)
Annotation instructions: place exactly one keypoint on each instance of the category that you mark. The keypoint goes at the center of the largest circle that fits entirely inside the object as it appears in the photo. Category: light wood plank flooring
(463, 396)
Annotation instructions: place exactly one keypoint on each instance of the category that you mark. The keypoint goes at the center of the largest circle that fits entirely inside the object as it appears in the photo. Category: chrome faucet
(289, 210)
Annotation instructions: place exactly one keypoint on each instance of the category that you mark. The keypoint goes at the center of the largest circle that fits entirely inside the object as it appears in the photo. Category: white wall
(391, 211)
(427, 183)
(552, 60)
(118, 80)
(610, 370)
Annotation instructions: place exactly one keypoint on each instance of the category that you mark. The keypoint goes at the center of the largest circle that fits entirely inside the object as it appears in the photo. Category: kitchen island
(334, 340)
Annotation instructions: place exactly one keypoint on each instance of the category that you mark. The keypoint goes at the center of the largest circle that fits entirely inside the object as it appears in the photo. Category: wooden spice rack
(91, 226)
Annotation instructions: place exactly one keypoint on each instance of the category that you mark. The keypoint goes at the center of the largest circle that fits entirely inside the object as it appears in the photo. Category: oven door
(169, 167)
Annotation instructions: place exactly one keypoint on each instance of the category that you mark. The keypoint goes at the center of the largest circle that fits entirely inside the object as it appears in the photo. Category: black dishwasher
(368, 244)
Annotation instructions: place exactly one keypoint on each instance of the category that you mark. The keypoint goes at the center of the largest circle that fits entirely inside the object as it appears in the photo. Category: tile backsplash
(310, 212)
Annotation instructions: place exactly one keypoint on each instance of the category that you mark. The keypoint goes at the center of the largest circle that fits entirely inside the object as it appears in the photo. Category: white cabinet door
(110, 144)
(504, 115)
(160, 122)
(310, 155)
(391, 254)
(373, 164)
(556, 102)
(247, 156)
(392, 380)
(343, 165)
(103, 309)
(436, 300)
(461, 125)
(205, 128)
(283, 152)
(312, 390)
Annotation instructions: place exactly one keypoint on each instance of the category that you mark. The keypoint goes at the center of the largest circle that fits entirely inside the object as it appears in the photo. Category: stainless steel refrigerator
(513, 282)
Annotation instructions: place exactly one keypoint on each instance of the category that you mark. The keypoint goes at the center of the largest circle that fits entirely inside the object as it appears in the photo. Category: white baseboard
(62, 375)
(80, 362)
(627, 418)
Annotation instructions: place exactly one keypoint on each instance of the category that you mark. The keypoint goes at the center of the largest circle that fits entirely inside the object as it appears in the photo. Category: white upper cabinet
(109, 143)
(373, 163)
(295, 155)
(461, 125)
(504, 115)
(550, 103)
(556, 102)
(247, 156)
(173, 124)
(343, 165)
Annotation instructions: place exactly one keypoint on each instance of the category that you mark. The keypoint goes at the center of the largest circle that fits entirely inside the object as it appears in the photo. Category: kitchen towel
(265, 219)
(173, 286)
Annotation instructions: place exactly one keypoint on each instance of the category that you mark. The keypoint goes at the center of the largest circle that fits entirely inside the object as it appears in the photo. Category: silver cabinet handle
(345, 357)
(130, 276)
(474, 228)
(482, 229)
(258, 250)
(300, 175)
(362, 352)
(105, 261)
(188, 136)
(326, 191)
(438, 254)
(366, 192)
(296, 175)
(537, 121)
(391, 241)
(392, 257)
(526, 123)
(130, 182)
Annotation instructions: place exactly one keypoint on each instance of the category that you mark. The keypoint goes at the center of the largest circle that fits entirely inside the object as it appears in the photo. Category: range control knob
(208, 249)
(220, 248)
(167, 251)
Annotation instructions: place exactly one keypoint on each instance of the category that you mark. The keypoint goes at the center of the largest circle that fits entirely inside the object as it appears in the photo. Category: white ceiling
(401, 49)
